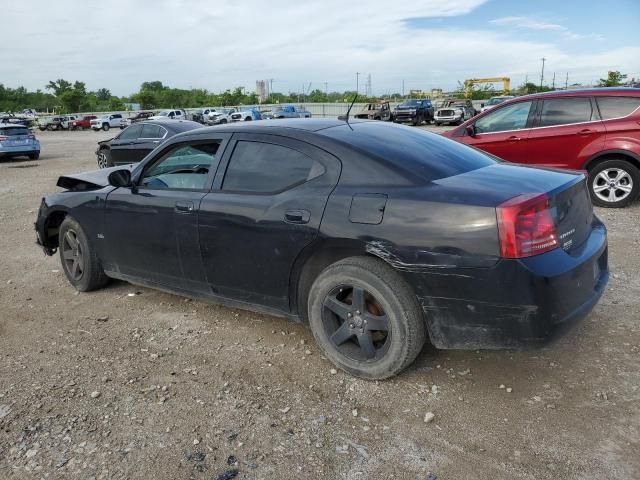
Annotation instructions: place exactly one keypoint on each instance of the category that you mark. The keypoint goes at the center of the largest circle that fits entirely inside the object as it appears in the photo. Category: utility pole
(542, 72)
(403, 88)
(357, 82)
(553, 83)
(566, 81)
(326, 90)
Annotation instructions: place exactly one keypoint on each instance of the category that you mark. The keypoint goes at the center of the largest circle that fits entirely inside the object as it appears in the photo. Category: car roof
(12, 125)
(605, 91)
(271, 126)
(175, 126)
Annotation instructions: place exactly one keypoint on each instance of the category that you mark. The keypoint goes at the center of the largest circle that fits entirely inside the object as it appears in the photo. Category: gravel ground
(151, 385)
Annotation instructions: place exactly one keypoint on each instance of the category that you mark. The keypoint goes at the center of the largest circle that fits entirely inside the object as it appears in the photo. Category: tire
(614, 183)
(389, 303)
(437, 124)
(104, 158)
(223, 121)
(248, 119)
(42, 129)
(79, 261)
(106, 127)
(34, 156)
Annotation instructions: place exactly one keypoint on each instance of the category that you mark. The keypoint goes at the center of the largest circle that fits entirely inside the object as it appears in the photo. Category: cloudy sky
(219, 44)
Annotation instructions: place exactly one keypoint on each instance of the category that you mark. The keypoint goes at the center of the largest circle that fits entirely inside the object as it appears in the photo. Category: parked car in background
(174, 114)
(220, 115)
(414, 111)
(136, 141)
(18, 140)
(597, 130)
(246, 114)
(106, 122)
(385, 236)
(493, 101)
(82, 123)
(138, 117)
(50, 123)
(202, 115)
(287, 111)
(453, 115)
(375, 111)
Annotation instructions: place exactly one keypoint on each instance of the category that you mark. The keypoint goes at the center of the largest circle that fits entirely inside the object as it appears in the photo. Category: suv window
(511, 117)
(267, 168)
(617, 107)
(565, 111)
(131, 132)
(152, 131)
(13, 131)
(117, 115)
(183, 167)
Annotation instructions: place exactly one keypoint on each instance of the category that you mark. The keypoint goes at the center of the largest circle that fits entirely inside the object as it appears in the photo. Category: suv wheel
(105, 127)
(365, 318)
(614, 183)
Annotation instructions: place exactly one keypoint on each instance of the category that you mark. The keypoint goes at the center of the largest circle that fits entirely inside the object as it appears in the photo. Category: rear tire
(365, 318)
(34, 156)
(614, 183)
(104, 158)
(79, 261)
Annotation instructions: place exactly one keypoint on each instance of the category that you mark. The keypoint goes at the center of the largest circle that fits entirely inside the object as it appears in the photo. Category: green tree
(614, 79)
(59, 86)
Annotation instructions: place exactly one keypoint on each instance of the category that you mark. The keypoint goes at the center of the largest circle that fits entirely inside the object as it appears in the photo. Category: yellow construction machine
(468, 84)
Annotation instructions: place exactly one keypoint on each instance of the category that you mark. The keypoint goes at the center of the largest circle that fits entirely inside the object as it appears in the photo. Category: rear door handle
(513, 138)
(585, 132)
(184, 207)
(297, 216)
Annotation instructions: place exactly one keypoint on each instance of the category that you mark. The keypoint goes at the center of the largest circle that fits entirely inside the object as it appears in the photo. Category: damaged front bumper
(40, 226)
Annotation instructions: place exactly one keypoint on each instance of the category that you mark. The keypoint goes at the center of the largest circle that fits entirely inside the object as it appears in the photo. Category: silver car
(453, 115)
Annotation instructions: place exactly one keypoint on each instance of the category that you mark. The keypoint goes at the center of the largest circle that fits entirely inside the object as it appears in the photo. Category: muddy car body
(375, 111)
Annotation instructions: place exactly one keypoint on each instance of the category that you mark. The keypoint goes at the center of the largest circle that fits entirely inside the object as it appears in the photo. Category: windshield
(164, 113)
(496, 100)
(410, 103)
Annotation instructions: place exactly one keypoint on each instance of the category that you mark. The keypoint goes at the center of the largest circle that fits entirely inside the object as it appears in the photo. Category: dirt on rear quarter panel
(151, 385)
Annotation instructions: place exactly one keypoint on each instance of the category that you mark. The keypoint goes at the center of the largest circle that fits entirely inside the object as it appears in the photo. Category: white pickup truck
(175, 114)
(106, 122)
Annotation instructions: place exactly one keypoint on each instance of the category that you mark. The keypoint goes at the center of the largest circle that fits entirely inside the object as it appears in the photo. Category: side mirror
(470, 129)
(120, 178)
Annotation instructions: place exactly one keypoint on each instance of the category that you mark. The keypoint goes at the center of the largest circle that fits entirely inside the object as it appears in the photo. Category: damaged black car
(381, 237)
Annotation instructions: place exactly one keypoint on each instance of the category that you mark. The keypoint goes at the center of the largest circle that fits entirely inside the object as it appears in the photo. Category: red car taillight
(525, 226)
(2, 138)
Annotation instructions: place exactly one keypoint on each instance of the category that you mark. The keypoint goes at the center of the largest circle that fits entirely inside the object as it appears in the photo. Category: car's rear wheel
(104, 158)
(34, 156)
(79, 262)
(248, 119)
(614, 183)
(224, 120)
(106, 127)
(365, 318)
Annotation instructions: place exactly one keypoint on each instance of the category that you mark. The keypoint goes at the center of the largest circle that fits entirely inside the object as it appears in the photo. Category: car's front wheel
(104, 158)
(365, 318)
(614, 183)
(105, 127)
(79, 261)
(34, 156)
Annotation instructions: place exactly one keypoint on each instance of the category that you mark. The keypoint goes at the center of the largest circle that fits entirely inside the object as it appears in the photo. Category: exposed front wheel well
(52, 228)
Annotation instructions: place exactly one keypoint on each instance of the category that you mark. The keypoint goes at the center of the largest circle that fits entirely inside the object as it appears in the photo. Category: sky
(221, 44)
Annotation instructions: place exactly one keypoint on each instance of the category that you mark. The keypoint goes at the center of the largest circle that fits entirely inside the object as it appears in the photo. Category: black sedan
(378, 236)
(137, 140)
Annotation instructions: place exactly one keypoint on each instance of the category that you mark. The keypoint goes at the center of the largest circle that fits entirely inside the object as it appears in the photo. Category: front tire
(106, 127)
(365, 318)
(79, 261)
(614, 183)
(34, 156)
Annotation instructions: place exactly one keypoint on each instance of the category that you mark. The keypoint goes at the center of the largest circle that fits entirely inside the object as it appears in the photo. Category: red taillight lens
(2, 138)
(525, 226)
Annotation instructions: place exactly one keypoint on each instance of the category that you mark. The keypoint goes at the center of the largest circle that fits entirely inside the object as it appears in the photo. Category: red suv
(593, 129)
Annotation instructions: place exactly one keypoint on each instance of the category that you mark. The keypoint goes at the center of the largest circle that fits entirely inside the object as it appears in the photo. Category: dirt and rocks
(128, 382)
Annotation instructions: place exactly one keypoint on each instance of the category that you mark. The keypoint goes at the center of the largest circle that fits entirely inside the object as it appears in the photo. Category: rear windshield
(11, 131)
(428, 155)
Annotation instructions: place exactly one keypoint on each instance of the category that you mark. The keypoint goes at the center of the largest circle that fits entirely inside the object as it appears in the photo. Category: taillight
(2, 138)
(525, 226)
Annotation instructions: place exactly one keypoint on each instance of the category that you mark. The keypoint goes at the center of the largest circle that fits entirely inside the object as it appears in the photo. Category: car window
(267, 168)
(511, 117)
(152, 131)
(130, 133)
(183, 167)
(616, 107)
(565, 111)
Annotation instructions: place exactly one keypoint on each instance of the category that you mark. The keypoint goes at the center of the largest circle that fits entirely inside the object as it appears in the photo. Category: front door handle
(585, 132)
(184, 207)
(297, 216)
(513, 138)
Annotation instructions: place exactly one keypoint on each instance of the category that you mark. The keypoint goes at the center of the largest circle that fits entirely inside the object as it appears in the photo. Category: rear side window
(565, 111)
(617, 107)
(152, 131)
(267, 168)
(130, 133)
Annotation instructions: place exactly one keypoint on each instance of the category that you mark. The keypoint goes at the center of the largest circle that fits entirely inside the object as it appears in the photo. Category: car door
(151, 229)
(566, 132)
(503, 131)
(123, 145)
(267, 207)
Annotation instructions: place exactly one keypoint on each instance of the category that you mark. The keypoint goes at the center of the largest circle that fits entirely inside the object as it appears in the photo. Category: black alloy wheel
(73, 255)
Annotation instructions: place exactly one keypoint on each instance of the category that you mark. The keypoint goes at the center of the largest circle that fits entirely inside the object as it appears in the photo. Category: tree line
(63, 96)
